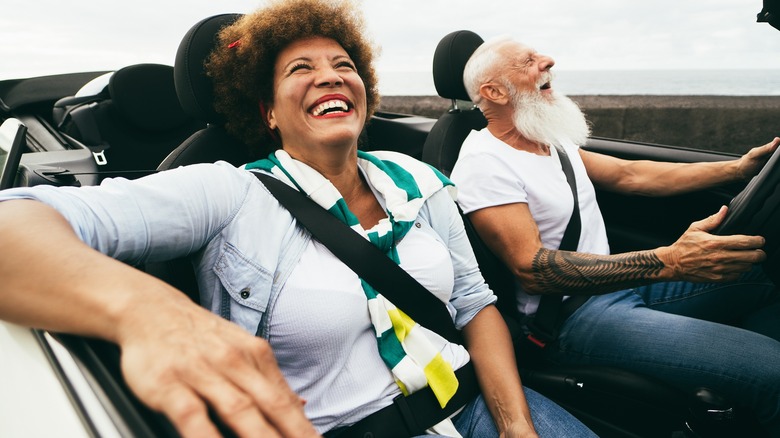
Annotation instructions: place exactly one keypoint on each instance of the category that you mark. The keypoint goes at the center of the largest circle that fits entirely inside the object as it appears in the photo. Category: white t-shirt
(489, 173)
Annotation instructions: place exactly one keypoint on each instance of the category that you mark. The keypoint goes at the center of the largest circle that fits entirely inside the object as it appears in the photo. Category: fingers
(265, 386)
(233, 405)
(208, 364)
(734, 241)
(754, 160)
(186, 411)
(711, 222)
(767, 148)
(701, 256)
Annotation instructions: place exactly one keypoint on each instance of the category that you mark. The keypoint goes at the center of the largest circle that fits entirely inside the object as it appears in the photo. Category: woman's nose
(329, 77)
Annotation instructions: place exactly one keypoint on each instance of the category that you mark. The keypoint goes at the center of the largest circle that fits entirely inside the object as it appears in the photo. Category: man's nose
(546, 63)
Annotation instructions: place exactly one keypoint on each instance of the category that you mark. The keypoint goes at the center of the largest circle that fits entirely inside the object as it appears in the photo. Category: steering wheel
(756, 208)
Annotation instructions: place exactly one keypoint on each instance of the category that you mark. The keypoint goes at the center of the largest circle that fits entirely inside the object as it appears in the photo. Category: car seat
(212, 143)
(131, 119)
(612, 401)
(196, 95)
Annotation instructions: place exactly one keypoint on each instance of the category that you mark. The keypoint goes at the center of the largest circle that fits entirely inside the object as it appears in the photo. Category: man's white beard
(549, 121)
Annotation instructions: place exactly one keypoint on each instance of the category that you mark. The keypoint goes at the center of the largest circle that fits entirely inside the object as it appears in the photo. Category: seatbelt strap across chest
(544, 325)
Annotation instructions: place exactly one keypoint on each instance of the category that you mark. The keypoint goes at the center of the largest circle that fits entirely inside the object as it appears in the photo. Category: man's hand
(189, 360)
(751, 163)
(699, 256)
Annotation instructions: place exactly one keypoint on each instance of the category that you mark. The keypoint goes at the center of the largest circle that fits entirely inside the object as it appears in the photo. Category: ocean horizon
(618, 82)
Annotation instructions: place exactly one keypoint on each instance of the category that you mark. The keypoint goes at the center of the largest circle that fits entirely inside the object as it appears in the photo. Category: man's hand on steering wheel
(699, 256)
(751, 163)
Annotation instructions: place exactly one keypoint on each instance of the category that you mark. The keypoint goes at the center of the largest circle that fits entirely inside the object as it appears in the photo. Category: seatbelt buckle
(539, 336)
(536, 341)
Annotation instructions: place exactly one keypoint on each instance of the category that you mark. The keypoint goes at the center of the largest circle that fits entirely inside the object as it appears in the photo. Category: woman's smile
(331, 105)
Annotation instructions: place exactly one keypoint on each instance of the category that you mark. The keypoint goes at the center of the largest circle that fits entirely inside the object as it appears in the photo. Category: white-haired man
(665, 312)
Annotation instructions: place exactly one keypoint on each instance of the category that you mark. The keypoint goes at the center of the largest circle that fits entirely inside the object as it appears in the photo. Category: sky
(53, 36)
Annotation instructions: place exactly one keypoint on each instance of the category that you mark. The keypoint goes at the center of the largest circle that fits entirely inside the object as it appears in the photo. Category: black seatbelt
(366, 260)
(544, 325)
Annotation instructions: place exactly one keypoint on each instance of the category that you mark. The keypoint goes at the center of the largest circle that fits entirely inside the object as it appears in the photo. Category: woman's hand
(699, 256)
(184, 361)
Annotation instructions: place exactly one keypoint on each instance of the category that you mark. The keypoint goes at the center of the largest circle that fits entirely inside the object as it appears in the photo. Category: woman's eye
(346, 65)
(301, 66)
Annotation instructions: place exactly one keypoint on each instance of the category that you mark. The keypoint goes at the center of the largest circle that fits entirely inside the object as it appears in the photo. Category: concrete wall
(722, 123)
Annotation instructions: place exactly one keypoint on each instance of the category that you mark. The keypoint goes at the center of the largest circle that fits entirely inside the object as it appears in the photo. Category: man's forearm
(579, 273)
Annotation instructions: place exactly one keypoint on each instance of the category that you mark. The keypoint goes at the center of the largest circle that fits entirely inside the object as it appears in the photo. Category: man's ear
(495, 93)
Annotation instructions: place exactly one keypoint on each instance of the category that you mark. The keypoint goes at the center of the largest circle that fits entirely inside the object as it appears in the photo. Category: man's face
(527, 71)
(539, 113)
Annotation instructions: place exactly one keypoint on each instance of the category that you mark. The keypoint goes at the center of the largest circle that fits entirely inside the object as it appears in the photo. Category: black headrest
(449, 60)
(193, 87)
(144, 95)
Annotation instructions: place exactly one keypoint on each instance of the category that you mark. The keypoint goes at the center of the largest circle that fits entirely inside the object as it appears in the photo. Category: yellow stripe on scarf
(438, 372)
(441, 379)
(402, 324)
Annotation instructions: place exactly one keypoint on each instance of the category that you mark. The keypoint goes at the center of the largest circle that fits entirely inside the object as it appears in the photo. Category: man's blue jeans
(725, 337)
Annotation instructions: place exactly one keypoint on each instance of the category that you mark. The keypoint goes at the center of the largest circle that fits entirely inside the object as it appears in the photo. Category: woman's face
(319, 98)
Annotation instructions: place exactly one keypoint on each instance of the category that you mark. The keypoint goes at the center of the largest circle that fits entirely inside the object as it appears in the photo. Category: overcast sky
(53, 36)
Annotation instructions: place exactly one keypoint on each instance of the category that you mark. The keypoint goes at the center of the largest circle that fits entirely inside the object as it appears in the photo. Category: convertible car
(77, 129)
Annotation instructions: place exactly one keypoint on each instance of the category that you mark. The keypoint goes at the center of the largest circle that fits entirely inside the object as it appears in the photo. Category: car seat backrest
(196, 96)
(443, 144)
(132, 123)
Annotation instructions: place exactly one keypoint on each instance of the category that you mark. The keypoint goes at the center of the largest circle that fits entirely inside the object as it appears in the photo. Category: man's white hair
(482, 66)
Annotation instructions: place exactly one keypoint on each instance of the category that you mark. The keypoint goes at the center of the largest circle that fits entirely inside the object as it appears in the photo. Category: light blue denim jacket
(242, 242)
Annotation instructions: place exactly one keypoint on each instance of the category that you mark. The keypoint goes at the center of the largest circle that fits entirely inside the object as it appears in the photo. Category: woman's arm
(655, 178)
(177, 357)
(490, 346)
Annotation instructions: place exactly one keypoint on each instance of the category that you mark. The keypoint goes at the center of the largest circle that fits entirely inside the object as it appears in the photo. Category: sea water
(618, 82)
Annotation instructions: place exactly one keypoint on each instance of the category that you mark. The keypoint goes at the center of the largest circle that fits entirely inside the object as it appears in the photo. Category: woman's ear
(271, 119)
(267, 113)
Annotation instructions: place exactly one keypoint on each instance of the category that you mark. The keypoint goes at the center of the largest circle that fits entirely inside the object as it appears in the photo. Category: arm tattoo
(571, 272)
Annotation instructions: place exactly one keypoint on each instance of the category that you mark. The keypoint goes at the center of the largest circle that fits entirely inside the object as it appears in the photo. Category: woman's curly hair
(242, 64)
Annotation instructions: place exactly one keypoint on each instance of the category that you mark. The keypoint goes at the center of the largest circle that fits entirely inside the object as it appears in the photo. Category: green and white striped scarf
(405, 183)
